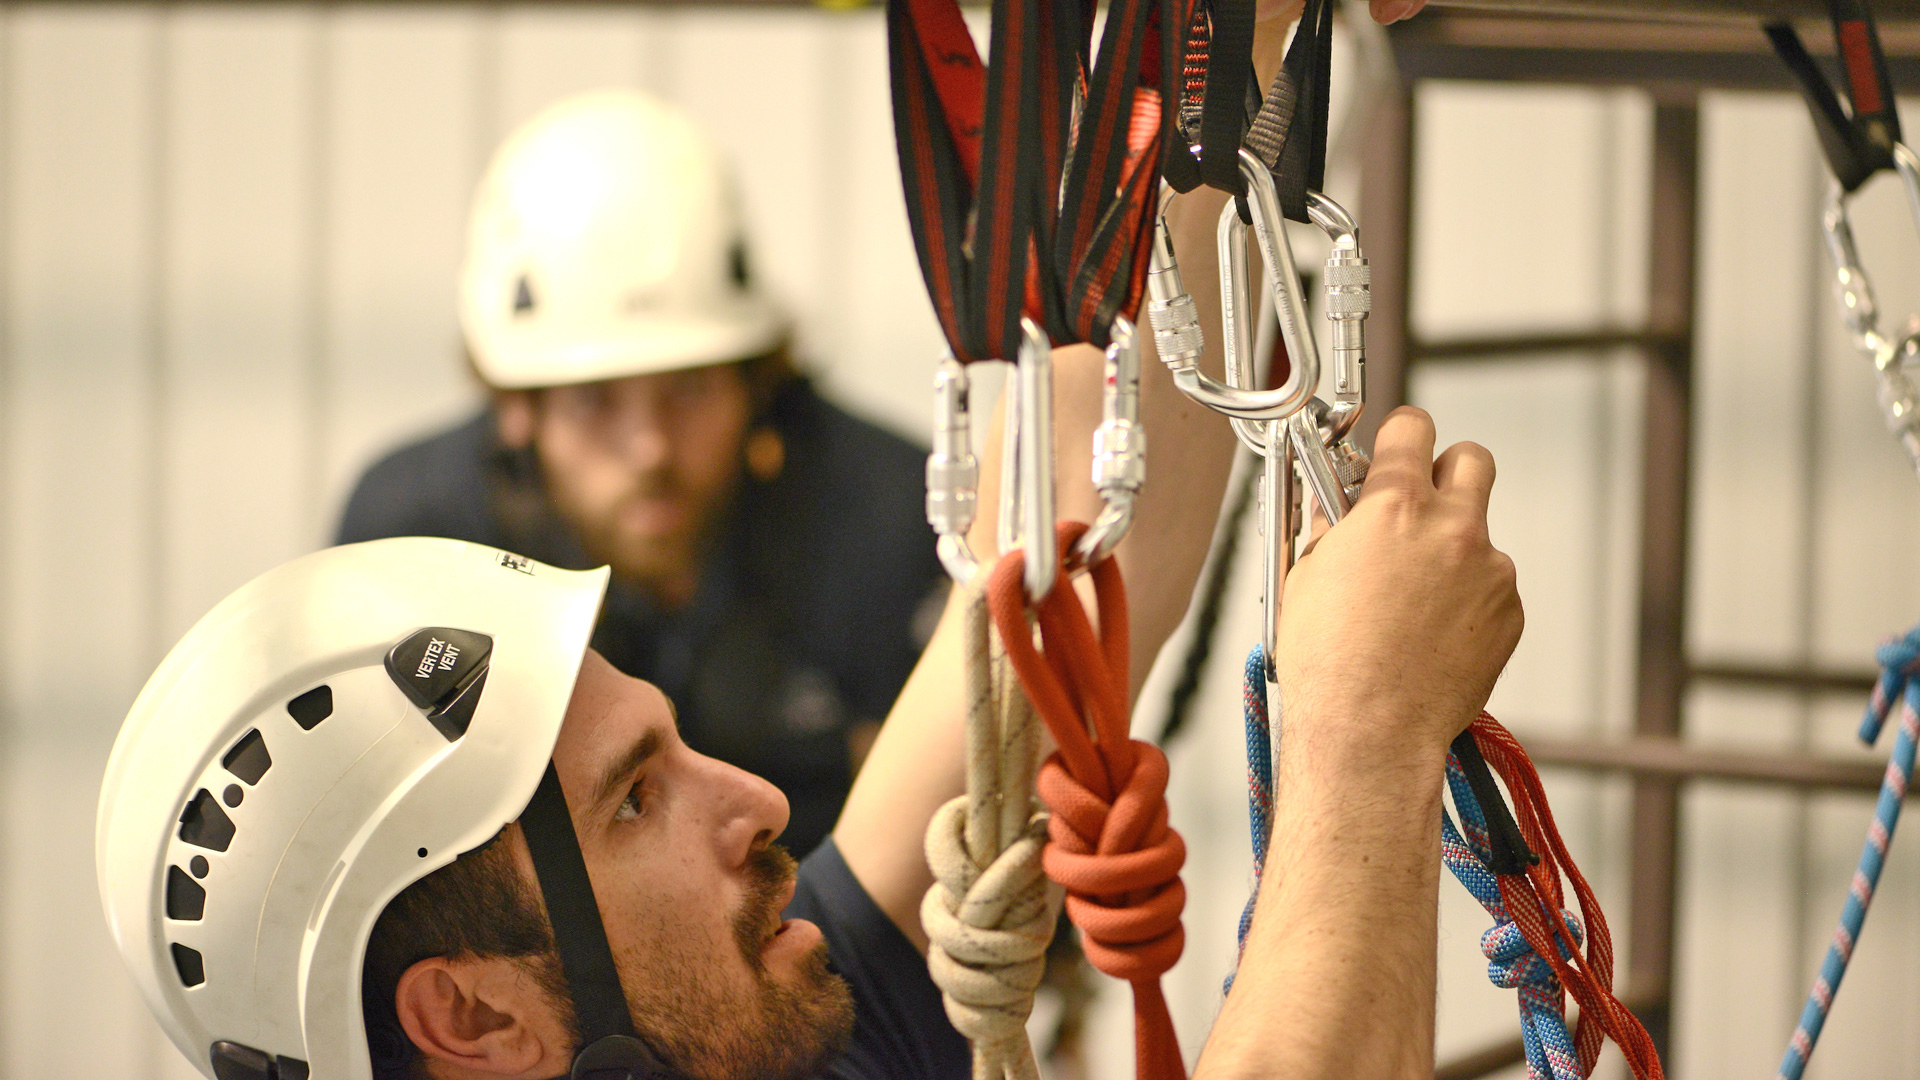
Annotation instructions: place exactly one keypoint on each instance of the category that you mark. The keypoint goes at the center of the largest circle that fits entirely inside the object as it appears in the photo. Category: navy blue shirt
(810, 612)
(900, 1026)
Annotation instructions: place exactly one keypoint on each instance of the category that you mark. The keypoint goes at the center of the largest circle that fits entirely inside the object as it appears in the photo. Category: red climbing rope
(1110, 844)
(1535, 900)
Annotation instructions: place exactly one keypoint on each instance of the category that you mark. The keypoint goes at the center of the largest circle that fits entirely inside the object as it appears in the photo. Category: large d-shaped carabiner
(1176, 323)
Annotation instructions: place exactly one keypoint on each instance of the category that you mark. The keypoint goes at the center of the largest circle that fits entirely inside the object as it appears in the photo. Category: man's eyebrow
(620, 773)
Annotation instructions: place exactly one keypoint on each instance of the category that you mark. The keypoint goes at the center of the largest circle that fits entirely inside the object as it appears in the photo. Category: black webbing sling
(610, 1048)
(1286, 128)
(1859, 142)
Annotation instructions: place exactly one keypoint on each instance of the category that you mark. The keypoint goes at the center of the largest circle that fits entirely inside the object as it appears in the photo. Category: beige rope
(991, 911)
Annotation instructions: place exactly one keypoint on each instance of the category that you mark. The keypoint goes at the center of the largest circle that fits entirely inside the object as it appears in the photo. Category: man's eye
(632, 806)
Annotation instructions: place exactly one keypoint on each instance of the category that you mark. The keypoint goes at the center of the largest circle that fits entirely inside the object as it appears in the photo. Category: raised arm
(1392, 633)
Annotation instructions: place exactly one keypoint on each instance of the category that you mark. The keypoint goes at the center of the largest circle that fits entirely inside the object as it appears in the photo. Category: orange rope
(1110, 844)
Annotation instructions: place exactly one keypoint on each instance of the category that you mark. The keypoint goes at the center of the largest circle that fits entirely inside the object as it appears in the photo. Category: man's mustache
(769, 871)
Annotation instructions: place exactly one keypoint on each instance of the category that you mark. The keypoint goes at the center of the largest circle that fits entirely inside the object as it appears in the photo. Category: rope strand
(991, 912)
(1899, 661)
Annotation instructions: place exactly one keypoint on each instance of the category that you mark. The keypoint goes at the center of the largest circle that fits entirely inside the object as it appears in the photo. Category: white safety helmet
(329, 734)
(605, 242)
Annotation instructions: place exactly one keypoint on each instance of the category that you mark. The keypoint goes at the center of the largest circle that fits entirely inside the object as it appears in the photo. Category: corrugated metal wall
(228, 237)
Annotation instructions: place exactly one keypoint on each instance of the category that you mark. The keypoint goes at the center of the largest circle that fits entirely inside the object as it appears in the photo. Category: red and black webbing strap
(1015, 207)
(1112, 180)
(972, 161)
(1857, 143)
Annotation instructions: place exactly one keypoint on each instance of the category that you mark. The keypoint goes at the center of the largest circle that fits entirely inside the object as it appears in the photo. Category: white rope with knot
(991, 911)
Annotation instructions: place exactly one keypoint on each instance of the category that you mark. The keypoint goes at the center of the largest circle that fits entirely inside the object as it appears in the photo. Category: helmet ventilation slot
(311, 707)
(192, 969)
(205, 824)
(186, 900)
(249, 759)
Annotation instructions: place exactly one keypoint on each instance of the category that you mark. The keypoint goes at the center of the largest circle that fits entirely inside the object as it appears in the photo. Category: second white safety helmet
(604, 242)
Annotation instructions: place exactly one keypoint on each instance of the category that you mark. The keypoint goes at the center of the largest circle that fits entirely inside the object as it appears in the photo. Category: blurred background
(229, 235)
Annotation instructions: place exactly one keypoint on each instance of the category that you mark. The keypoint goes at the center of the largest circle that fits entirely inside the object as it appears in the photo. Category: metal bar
(1673, 758)
(1750, 10)
(1665, 464)
(1487, 1059)
(1736, 56)
(1386, 199)
(1531, 345)
(1806, 680)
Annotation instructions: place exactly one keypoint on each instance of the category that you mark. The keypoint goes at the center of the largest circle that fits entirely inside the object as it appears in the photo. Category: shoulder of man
(850, 497)
(436, 486)
(842, 534)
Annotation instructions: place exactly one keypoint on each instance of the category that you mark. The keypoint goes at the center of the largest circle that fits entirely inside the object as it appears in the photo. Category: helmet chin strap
(610, 1048)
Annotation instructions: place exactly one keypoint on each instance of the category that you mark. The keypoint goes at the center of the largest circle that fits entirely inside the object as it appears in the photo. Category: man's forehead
(608, 714)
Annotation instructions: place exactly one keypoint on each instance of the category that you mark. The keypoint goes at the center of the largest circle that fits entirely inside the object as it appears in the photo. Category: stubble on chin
(783, 1029)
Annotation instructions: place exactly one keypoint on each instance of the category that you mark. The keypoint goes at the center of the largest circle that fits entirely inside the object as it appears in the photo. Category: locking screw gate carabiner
(1119, 448)
(953, 473)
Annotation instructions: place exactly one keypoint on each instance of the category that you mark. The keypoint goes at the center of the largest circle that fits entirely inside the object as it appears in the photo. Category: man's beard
(708, 1029)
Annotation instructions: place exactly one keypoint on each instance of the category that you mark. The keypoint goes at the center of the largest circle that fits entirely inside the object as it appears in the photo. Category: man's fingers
(1465, 470)
(1403, 451)
(1392, 11)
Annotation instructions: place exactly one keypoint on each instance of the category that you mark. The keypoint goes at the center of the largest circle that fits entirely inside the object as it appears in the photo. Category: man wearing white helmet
(768, 549)
(382, 812)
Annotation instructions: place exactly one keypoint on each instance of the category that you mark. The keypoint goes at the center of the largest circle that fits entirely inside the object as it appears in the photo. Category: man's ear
(480, 1017)
(514, 415)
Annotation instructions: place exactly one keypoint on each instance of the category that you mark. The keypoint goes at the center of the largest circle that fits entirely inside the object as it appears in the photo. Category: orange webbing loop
(1529, 899)
(1109, 843)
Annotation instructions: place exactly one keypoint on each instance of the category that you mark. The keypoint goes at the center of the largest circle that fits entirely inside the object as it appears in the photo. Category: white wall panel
(878, 337)
(240, 367)
(544, 54)
(79, 320)
(1521, 232)
(402, 149)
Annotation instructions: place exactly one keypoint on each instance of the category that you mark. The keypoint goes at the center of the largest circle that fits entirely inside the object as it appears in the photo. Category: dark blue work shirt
(809, 614)
(900, 1026)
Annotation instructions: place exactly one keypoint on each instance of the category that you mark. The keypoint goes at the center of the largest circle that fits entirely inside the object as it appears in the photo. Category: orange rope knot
(1110, 844)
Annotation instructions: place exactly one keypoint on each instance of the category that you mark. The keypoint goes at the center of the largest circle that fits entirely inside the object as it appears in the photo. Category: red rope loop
(1535, 898)
(1110, 844)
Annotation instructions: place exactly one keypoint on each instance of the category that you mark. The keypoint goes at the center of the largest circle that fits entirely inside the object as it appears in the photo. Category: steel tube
(1743, 10)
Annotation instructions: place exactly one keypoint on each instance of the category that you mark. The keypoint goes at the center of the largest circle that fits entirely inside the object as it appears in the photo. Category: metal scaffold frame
(1556, 42)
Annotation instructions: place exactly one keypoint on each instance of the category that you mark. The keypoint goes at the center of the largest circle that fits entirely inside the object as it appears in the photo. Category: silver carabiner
(1176, 323)
(953, 473)
(1119, 448)
(1899, 399)
(1026, 468)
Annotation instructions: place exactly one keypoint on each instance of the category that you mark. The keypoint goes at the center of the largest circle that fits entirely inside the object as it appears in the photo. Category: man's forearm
(1337, 980)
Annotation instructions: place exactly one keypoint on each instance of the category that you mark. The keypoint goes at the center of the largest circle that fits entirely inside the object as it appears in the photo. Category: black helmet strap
(610, 1048)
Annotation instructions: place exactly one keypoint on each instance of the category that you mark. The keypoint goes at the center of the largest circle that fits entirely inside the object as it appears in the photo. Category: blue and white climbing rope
(1512, 963)
(1899, 660)
(1259, 783)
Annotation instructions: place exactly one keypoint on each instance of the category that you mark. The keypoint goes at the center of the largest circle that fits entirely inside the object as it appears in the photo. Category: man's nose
(750, 812)
(644, 429)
